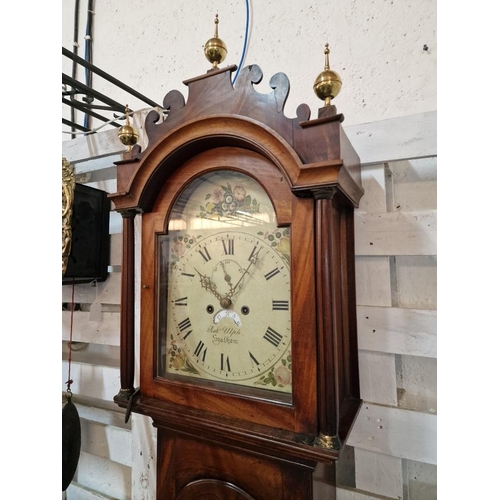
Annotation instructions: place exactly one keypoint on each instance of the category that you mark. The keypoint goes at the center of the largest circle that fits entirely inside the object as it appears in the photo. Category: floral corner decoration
(280, 240)
(279, 375)
(180, 245)
(179, 361)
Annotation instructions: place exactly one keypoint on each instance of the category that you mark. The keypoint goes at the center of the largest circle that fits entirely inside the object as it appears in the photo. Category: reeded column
(127, 333)
(329, 314)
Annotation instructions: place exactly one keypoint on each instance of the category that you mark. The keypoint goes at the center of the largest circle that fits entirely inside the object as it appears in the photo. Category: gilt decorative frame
(68, 194)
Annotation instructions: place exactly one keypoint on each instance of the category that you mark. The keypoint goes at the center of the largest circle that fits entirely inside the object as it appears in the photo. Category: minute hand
(253, 260)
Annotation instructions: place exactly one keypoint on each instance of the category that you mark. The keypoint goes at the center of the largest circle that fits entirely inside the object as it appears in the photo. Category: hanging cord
(245, 42)
(69, 381)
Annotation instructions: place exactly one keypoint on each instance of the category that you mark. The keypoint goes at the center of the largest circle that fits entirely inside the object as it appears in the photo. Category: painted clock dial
(224, 302)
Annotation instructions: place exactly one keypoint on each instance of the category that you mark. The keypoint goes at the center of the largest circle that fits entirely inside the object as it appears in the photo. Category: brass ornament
(126, 133)
(68, 194)
(215, 48)
(328, 83)
(327, 442)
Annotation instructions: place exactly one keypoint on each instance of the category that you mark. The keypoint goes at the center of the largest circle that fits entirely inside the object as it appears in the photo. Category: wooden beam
(99, 382)
(402, 138)
(106, 441)
(378, 473)
(101, 415)
(144, 441)
(107, 292)
(77, 491)
(100, 479)
(396, 432)
(373, 281)
(106, 331)
(377, 377)
(344, 493)
(396, 233)
(412, 332)
(96, 145)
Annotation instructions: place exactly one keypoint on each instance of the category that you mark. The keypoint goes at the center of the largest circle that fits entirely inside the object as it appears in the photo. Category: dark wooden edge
(278, 443)
(299, 414)
(208, 119)
(127, 331)
(320, 121)
(210, 73)
(349, 409)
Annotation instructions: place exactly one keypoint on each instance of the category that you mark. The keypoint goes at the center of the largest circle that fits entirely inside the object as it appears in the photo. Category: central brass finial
(328, 83)
(215, 48)
(126, 133)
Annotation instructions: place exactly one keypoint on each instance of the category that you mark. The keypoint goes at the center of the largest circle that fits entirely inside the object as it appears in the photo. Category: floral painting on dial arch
(226, 201)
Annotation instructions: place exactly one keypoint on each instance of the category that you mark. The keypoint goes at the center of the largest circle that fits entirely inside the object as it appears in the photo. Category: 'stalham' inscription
(224, 334)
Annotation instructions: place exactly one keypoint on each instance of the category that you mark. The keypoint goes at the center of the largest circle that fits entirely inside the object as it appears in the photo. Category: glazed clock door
(227, 280)
(224, 310)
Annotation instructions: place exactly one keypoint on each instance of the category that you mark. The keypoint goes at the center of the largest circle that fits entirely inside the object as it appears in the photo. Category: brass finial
(215, 48)
(328, 83)
(127, 134)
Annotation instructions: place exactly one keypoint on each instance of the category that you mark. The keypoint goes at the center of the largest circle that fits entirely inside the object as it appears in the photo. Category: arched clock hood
(220, 114)
(209, 436)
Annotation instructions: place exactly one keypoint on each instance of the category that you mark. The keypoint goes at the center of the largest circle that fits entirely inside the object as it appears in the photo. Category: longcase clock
(248, 352)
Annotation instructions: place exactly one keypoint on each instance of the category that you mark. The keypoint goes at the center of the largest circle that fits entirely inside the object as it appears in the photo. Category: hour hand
(209, 285)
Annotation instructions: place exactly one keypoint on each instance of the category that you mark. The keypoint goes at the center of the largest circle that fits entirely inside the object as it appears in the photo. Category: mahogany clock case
(250, 404)
(224, 438)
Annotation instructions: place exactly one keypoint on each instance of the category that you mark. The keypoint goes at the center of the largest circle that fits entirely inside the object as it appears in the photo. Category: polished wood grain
(127, 331)
(246, 403)
(228, 442)
(226, 473)
(218, 114)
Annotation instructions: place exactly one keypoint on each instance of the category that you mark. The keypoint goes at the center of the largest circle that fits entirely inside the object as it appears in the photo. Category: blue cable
(244, 43)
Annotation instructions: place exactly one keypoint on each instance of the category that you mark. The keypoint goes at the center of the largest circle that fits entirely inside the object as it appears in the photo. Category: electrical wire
(118, 118)
(88, 58)
(75, 51)
(245, 42)
(97, 128)
(88, 55)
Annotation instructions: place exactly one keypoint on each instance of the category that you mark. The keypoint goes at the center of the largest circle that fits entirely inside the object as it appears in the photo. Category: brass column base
(327, 442)
(125, 393)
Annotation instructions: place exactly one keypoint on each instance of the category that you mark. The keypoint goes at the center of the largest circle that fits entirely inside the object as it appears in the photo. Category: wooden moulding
(312, 174)
(227, 471)
(218, 114)
(127, 307)
(252, 437)
(338, 378)
(299, 416)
